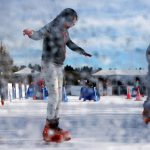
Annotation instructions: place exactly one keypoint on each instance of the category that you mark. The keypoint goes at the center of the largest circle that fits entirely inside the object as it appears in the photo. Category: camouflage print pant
(53, 76)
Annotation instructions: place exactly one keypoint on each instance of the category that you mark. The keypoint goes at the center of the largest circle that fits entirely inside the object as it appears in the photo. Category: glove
(86, 54)
(28, 32)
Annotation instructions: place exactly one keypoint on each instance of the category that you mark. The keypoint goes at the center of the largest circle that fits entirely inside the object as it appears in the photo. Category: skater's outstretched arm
(76, 48)
(37, 35)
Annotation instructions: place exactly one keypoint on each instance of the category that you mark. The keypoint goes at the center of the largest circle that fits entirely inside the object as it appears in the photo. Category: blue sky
(116, 32)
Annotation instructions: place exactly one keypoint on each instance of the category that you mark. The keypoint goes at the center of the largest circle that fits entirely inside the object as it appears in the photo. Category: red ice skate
(66, 134)
(146, 117)
(49, 135)
(2, 102)
(52, 133)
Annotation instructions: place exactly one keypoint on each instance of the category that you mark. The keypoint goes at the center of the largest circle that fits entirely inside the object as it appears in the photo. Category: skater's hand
(27, 32)
(88, 55)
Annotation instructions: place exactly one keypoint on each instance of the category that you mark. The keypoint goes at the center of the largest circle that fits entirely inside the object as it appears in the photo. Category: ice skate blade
(67, 139)
(54, 138)
(146, 120)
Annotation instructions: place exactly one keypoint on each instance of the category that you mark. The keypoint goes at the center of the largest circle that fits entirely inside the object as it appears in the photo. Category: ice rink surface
(113, 123)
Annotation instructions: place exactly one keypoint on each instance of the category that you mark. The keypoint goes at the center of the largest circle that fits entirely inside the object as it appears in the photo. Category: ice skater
(55, 38)
(3, 85)
(146, 105)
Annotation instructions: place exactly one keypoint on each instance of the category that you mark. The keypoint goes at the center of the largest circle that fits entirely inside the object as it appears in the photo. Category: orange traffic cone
(128, 93)
(138, 95)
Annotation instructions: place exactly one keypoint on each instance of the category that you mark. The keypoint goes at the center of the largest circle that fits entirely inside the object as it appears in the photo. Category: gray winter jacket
(55, 38)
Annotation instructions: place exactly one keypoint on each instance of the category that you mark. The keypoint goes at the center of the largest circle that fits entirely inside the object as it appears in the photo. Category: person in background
(3, 86)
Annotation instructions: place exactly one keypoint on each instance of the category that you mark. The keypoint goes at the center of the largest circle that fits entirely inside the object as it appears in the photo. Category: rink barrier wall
(23, 91)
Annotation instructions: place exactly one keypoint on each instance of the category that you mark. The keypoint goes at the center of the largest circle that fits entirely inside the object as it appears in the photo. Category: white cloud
(102, 25)
(105, 60)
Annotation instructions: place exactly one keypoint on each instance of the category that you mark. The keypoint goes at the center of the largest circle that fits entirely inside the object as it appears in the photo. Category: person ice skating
(2, 90)
(55, 38)
(146, 105)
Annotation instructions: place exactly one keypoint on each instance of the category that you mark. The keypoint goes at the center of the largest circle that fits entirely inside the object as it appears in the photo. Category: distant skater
(3, 85)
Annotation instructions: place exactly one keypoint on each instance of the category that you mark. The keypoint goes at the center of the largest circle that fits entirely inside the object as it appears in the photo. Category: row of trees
(71, 75)
(6, 62)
